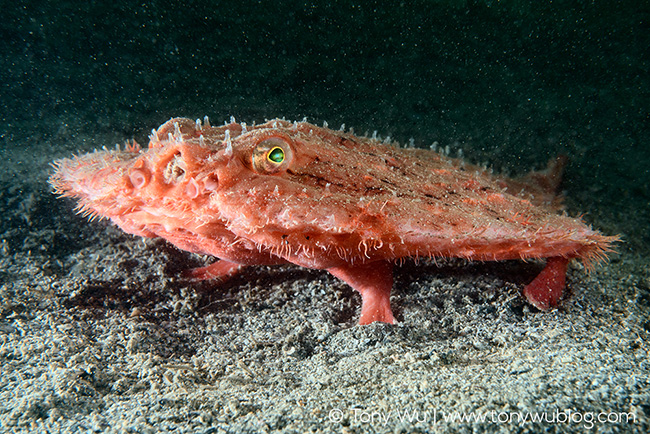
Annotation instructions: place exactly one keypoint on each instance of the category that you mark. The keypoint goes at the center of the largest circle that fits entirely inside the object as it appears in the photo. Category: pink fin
(221, 269)
(374, 282)
(543, 187)
(546, 289)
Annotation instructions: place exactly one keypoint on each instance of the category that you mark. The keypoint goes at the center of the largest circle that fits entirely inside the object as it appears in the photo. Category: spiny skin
(283, 192)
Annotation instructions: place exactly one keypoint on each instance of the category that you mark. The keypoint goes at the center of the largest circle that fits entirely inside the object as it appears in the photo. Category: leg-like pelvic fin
(546, 289)
(221, 269)
(374, 282)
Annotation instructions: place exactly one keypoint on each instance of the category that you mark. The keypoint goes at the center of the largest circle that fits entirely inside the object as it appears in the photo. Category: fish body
(292, 192)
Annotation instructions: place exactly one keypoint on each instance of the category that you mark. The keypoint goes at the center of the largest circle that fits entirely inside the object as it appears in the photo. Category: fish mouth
(92, 177)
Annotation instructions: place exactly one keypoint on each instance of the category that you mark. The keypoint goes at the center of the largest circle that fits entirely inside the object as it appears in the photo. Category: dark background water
(510, 83)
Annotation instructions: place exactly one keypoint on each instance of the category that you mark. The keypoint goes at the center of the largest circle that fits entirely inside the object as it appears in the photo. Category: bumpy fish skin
(292, 192)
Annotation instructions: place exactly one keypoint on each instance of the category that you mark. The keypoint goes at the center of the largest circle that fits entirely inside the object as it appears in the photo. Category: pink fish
(291, 192)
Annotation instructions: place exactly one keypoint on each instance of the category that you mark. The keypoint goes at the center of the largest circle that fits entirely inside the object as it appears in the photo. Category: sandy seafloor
(99, 333)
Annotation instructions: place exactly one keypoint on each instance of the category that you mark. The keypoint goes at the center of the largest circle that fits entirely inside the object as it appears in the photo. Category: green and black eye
(271, 155)
(275, 155)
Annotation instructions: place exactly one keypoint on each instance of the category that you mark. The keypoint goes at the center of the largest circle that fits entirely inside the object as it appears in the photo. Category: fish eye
(271, 155)
(275, 155)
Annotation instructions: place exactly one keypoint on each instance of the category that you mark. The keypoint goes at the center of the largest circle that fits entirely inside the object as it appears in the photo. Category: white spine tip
(228, 143)
(177, 131)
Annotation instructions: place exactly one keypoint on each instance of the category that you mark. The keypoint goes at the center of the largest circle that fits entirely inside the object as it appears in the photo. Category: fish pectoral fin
(546, 289)
(374, 282)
